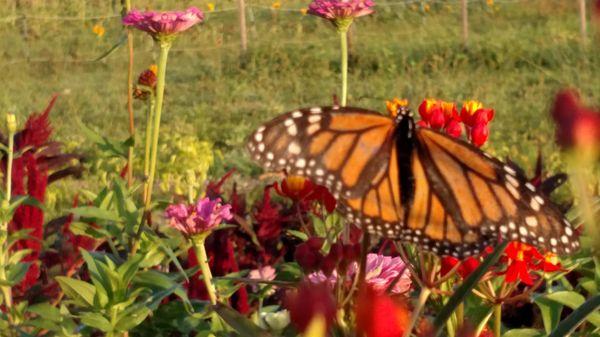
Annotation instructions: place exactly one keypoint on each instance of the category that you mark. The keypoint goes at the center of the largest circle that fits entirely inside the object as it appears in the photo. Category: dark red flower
(309, 301)
(304, 192)
(379, 315)
(270, 221)
(146, 82)
(308, 254)
(576, 126)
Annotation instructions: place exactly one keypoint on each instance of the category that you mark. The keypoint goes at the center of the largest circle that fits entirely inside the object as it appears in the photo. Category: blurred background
(517, 54)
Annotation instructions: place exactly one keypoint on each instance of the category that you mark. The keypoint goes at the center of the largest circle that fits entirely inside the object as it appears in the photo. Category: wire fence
(275, 7)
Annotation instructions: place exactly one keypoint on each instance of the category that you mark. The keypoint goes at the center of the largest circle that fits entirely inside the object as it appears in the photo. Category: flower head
(304, 192)
(519, 258)
(550, 263)
(341, 12)
(309, 301)
(382, 271)
(99, 30)
(576, 126)
(438, 114)
(466, 267)
(199, 218)
(146, 82)
(163, 24)
(379, 315)
(394, 105)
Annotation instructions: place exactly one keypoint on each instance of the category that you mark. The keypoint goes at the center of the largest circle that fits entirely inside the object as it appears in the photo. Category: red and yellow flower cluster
(442, 115)
(521, 261)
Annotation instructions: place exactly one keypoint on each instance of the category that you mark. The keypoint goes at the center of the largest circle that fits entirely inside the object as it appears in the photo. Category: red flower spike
(479, 134)
(309, 301)
(379, 315)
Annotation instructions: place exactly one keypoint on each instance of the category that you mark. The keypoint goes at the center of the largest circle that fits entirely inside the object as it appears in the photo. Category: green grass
(519, 54)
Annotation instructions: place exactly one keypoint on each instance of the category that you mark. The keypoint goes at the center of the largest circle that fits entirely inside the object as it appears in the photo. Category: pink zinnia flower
(201, 217)
(160, 24)
(383, 270)
(341, 12)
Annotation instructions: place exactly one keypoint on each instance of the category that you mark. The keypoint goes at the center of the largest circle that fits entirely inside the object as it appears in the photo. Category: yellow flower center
(295, 183)
(472, 106)
(395, 104)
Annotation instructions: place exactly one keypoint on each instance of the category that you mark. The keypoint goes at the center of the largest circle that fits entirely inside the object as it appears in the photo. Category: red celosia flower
(520, 260)
(466, 267)
(309, 301)
(269, 218)
(549, 263)
(576, 125)
(379, 315)
(304, 192)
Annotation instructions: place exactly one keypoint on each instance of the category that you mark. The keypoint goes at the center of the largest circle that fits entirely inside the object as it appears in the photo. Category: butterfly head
(403, 113)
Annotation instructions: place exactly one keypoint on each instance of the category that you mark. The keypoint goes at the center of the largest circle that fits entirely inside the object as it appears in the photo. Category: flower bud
(308, 254)
(479, 134)
(11, 123)
(453, 128)
(309, 301)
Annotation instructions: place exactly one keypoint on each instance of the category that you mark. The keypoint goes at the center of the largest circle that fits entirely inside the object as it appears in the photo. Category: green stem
(200, 250)
(6, 290)
(160, 93)
(149, 119)
(344, 50)
(130, 98)
(497, 320)
(423, 296)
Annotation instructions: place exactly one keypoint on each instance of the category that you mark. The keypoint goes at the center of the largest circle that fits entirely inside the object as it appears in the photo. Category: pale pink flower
(340, 9)
(381, 271)
(201, 217)
(159, 24)
(266, 273)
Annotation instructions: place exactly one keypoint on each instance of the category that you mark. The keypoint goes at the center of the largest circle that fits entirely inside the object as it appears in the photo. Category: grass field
(519, 54)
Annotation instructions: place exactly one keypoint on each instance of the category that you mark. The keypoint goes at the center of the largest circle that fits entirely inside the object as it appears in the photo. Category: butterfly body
(410, 183)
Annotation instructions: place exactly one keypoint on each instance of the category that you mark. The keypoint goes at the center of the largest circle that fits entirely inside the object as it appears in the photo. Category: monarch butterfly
(412, 184)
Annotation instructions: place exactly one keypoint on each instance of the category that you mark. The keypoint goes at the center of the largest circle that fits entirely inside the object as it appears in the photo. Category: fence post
(243, 31)
(583, 21)
(465, 22)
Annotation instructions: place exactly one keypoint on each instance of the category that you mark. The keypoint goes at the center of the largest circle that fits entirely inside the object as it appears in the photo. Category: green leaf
(465, 288)
(81, 292)
(97, 321)
(131, 318)
(300, 235)
(155, 280)
(46, 311)
(574, 300)
(569, 324)
(289, 271)
(550, 312)
(119, 43)
(113, 148)
(100, 281)
(16, 272)
(238, 322)
(127, 270)
(523, 333)
(95, 213)
(17, 256)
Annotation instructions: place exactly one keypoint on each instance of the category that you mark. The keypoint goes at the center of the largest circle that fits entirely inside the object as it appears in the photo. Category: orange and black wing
(344, 149)
(465, 200)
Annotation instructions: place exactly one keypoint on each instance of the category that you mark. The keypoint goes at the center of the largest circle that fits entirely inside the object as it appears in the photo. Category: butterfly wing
(342, 148)
(466, 200)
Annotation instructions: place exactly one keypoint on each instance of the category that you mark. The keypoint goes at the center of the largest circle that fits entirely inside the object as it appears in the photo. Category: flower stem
(497, 320)
(130, 99)
(4, 253)
(160, 93)
(149, 119)
(423, 296)
(344, 50)
(200, 251)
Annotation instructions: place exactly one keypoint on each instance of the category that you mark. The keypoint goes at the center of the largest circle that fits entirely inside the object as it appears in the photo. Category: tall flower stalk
(130, 98)
(341, 13)
(163, 27)
(4, 249)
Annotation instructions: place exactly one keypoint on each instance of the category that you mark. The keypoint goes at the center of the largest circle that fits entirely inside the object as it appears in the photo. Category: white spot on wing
(316, 110)
(296, 114)
(292, 130)
(314, 119)
(531, 221)
(294, 148)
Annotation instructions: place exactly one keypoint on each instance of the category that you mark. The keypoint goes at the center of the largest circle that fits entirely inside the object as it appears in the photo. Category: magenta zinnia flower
(336, 10)
(199, 218)
(159, 24)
